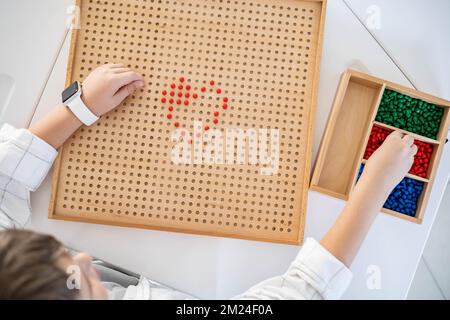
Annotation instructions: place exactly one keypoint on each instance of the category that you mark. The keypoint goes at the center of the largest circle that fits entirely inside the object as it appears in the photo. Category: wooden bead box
(365, 110)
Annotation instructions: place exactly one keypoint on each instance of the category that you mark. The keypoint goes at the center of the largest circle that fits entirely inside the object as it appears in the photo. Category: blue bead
(404, 197)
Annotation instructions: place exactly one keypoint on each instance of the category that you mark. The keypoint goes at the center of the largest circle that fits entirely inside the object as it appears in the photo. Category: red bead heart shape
(182, 94)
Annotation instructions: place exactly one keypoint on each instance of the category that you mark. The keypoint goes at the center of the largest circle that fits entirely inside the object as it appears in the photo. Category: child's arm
(104, 89)
(385, 169)
(27, 155)
(320, 271)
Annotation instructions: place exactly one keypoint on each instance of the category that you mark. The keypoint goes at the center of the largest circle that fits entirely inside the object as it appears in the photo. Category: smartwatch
(71, 97)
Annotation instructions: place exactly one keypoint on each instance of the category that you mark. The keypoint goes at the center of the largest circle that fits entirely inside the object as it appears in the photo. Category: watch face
(70, 91)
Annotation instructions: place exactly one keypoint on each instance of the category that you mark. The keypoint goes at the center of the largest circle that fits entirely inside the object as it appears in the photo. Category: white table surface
(416, 33)
(31, 34)
(210, 267)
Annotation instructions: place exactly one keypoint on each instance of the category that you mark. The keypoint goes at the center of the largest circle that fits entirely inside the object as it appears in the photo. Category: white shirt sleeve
(24, 162)
(314, 274)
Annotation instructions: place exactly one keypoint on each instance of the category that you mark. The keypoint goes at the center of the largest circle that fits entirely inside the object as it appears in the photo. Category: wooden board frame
(296, 237)
(438, 144)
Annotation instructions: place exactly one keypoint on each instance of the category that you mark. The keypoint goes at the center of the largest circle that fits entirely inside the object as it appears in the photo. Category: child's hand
(389, 164)
(108, 85)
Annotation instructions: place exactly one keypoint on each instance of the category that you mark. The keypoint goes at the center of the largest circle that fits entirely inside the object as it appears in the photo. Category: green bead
(411, 114)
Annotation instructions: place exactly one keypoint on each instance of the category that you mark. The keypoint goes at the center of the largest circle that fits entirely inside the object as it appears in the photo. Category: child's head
(34, 266)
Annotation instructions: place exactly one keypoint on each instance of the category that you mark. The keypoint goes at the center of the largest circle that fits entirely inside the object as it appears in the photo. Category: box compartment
(409, 113)
(347, 131)
(407, 196)
(423, 160)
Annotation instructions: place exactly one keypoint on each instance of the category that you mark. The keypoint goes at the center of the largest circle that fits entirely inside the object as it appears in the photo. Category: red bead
(188, 87)
(180, 94)
(173, 85)
(164, 92)
(186, 102)
(377, 136)
(181, 79)
(225, 99)
(178, 101)
(206, 128)
(170, 101)
(163, 100)
(170, 108)
(225, 106)
(216, 114)
(180, 87)
(203, 89)
(216, 121)
(219, 91)
(187, 95)
(421, 159)
(195, 96)
(169, 116)
(212, 82)
(176, 124)
(172, 93)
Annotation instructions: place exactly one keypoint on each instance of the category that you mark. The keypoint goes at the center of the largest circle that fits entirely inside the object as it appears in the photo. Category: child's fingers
(408, 140)
(111, 65)
(394, 134)
(126, 78)
(117, 65)
(413, 150)
(121, 70)
(128, 89)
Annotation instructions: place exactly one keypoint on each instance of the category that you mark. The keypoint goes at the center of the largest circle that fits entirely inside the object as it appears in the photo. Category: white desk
(211, 267)
(416, 35)
(31, 34)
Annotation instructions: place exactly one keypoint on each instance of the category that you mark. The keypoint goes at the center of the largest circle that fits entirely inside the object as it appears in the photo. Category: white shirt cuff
(323, 271)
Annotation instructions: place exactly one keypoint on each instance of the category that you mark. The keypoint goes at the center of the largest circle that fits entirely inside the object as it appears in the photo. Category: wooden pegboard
(263, 54)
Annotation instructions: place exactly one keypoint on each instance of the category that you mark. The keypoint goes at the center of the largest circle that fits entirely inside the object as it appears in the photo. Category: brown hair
(28, 267)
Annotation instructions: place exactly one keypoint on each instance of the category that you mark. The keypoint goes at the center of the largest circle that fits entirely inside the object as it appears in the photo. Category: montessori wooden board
(248, 65)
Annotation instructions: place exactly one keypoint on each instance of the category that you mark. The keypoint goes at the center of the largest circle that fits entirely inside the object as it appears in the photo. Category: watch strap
(81, 111)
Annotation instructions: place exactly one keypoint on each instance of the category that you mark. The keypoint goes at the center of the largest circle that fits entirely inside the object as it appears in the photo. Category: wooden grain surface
(265, 57)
